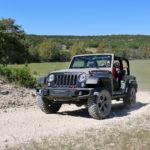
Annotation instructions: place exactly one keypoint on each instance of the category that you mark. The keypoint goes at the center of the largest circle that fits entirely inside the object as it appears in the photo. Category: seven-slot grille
(65, 80)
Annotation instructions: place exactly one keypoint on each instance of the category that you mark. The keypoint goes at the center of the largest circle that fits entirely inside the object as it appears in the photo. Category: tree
(78, 48)
(49, 51)
(103, 47)
(12, 46)
(65, 56)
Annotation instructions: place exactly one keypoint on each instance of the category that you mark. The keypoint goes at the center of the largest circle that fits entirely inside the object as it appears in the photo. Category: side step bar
(118, 94)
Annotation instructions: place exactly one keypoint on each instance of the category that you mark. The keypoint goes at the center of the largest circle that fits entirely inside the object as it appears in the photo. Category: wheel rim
(103, 104)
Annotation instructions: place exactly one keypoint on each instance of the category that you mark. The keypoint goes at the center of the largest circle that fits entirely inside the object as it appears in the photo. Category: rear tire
(130, 99)
(99, 106)
(47, 106)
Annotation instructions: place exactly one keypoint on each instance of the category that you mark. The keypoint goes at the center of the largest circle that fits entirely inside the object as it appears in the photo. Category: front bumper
(65, 94)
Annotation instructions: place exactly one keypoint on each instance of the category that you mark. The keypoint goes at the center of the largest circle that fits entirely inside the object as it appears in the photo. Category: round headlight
(51, 78)
(82, 78)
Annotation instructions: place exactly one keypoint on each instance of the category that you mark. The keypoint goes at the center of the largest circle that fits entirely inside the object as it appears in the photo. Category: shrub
(21, 76)
(64, 56)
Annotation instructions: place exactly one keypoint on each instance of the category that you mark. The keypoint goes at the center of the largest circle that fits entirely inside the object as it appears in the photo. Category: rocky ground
(15, 96)
(21, 121)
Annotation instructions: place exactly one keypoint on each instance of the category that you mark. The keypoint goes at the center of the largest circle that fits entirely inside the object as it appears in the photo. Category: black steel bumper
(67, 94)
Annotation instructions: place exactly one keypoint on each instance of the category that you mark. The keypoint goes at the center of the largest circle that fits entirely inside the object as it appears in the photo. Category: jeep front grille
(65, 80)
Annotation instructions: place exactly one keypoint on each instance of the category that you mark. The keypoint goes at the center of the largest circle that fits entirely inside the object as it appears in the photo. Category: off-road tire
(99, 106)
(130, 99)
(46, 106)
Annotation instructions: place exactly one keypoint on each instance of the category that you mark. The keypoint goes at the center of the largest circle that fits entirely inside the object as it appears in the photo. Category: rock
(2, 82)
(4, 92)
(33, 94)
(112, 144)
(12, 96)
(6, 140)
(5, 111)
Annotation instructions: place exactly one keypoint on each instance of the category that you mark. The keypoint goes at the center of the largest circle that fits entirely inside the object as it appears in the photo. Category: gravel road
(26, 122)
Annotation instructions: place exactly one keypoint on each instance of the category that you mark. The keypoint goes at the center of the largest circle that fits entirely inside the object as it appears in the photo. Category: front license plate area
(59, 93)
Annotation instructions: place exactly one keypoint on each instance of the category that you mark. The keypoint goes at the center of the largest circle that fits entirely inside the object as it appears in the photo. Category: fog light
(82, 84)
(49, 84)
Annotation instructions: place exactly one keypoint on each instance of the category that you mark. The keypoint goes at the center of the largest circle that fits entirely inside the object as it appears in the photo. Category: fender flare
(133, 83)
(92, 80)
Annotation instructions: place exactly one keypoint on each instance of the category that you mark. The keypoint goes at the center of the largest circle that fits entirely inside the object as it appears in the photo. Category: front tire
(130, 99)
(99, 106)
(47, 106)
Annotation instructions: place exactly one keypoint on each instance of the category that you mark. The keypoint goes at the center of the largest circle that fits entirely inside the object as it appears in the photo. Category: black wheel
(130, 99)
(46, 106)
(99, 106)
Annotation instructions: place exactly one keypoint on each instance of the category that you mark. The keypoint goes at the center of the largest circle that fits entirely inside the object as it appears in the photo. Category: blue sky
(79, 17)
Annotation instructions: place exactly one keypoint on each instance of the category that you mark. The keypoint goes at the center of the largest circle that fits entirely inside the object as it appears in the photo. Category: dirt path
(20, 125)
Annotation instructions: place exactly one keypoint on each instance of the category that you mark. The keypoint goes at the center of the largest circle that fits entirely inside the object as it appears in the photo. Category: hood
(83, 70)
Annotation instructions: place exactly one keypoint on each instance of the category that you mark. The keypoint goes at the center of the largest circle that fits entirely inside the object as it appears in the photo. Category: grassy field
(41, 69)
(139, 68)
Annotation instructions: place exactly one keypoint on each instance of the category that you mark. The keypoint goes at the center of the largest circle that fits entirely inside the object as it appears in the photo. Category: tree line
(18, 47)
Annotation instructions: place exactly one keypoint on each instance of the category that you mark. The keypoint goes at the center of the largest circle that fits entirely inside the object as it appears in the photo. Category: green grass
(139, 68)
(41, 69)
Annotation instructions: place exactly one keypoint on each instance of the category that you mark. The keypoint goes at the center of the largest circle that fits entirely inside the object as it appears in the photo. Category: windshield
(91, 61)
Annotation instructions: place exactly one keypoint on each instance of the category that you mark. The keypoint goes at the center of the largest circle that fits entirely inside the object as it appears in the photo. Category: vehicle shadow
(83, 112)
(118, 110)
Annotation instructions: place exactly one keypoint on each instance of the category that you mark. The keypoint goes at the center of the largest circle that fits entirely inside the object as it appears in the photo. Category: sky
(79, 17)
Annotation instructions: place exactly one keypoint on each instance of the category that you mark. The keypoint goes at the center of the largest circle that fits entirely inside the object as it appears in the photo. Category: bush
(21, 76)
(64, 56)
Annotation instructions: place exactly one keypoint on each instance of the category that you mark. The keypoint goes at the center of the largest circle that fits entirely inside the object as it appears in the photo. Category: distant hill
(131, 46)
(18, 47)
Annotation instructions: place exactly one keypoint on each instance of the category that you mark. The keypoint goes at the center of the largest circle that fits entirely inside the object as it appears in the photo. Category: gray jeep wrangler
(93, 80)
